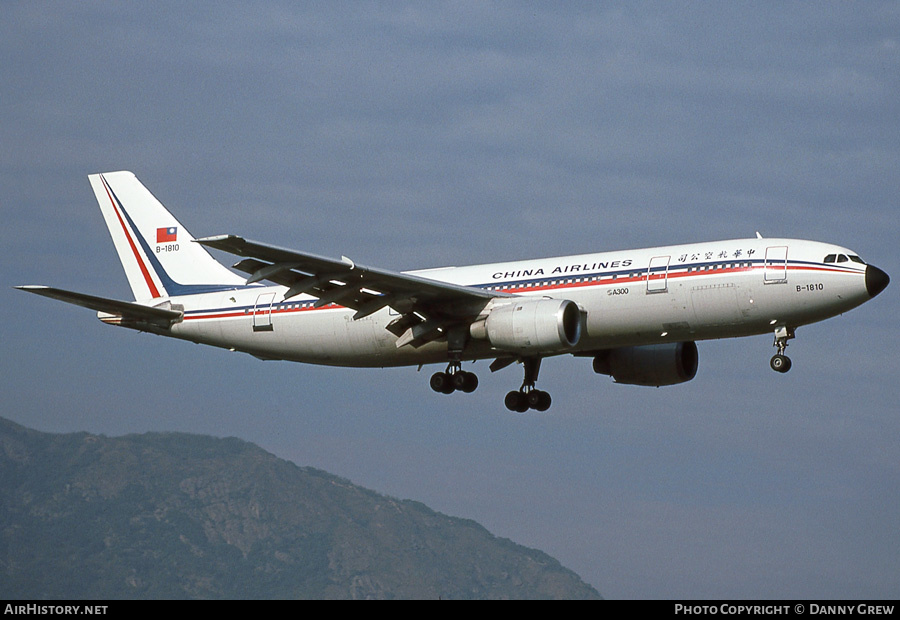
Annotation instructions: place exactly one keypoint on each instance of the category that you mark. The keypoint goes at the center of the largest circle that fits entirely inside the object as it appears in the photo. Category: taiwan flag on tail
(166, 235)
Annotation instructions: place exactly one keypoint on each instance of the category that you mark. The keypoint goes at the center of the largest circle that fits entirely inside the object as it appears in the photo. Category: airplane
(637, 313)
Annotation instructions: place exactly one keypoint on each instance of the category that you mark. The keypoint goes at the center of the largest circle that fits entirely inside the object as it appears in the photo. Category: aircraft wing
(362, 288)
(124, 313)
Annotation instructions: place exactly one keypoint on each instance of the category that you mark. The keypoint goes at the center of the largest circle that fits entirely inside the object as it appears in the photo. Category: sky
(415, 135)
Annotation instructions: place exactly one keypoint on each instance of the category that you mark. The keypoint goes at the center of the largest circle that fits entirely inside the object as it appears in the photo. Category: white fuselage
(632, 297)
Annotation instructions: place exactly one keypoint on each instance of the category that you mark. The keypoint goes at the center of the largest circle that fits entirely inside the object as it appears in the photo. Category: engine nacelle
(532, 326)
(653, 365)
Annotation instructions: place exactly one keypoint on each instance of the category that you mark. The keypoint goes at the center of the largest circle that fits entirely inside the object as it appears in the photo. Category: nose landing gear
(781, 362)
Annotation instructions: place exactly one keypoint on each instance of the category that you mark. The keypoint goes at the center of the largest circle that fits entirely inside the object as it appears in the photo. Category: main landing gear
(529, 397)
(453, 379)
(781, 362)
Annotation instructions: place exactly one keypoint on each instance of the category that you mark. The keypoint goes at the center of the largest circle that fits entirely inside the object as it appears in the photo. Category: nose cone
(876, 280)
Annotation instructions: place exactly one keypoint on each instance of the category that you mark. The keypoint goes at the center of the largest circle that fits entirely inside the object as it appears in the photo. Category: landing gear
(529, 397)
(522, 401)
(453, 379)
(781, 362)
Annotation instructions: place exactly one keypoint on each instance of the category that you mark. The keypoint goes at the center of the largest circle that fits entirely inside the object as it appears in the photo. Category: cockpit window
(831, 258)
(842, 258)
(857, 259)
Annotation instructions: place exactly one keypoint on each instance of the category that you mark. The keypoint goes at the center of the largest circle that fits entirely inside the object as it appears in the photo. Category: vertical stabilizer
(158, 254)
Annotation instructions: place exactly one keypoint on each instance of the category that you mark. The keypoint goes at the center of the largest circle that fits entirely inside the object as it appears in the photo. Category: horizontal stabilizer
(120, 311)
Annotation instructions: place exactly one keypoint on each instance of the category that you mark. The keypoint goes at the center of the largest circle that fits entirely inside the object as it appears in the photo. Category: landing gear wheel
(780, 363)
(538, 400)
(523, 401)
(447, 382)
(442, 382)
(464, 381)
(516, 401)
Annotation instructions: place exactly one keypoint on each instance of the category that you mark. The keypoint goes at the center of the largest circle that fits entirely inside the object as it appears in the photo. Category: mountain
(170, 515)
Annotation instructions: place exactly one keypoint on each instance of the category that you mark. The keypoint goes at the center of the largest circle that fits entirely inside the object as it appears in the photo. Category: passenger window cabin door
(658, 274)
(776, 264)
(262, 313)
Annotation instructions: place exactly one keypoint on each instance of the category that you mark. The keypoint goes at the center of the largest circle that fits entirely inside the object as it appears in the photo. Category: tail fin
(157, 252)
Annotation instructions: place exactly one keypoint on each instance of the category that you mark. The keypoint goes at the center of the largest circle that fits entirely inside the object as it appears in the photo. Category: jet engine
(531, 326)
(653, 365)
